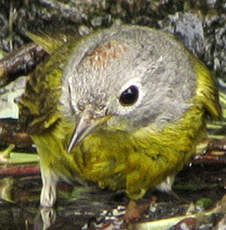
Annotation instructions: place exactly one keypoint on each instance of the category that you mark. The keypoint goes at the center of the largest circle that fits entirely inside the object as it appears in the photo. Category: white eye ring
(124, 109)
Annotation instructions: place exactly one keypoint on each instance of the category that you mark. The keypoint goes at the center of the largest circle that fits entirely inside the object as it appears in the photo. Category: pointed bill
(85, 126)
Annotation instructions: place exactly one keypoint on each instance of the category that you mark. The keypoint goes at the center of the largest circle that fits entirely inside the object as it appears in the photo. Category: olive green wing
(206, 90)
(50, 42)
(38, 105)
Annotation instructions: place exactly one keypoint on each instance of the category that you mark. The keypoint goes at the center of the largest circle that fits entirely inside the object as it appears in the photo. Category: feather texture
(120, 154)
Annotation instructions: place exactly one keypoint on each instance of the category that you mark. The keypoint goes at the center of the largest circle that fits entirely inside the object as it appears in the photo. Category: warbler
(124, 107)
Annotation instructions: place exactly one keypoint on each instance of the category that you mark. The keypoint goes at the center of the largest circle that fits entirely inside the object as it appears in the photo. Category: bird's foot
(135, 210)
(48, 217)
(48, 193)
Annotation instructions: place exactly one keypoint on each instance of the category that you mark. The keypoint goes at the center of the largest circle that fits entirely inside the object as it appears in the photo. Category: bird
(123, 107)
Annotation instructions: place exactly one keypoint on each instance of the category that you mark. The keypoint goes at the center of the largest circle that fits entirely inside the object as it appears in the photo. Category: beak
(84, 127)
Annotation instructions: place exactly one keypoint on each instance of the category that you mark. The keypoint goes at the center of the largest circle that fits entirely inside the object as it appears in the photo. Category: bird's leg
(166, 185)
(48, 193)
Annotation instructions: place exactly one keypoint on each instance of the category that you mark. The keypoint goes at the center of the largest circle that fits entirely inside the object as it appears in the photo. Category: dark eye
(129, 96)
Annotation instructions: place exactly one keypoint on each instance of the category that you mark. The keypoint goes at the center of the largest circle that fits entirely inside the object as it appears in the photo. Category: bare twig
(20, 62)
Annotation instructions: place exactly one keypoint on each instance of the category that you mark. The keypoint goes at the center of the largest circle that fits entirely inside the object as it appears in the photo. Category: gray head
(127, 77)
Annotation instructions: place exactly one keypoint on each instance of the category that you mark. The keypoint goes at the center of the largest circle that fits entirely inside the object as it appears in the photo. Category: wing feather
(39, 104)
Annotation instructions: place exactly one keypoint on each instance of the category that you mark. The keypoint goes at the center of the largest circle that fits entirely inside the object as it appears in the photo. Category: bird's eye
(129, 96)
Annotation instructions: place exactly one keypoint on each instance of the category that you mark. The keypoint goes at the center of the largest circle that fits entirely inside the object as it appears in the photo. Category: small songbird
(124, 107)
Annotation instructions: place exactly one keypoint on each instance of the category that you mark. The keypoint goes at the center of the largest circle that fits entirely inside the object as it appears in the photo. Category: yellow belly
(131, 161)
